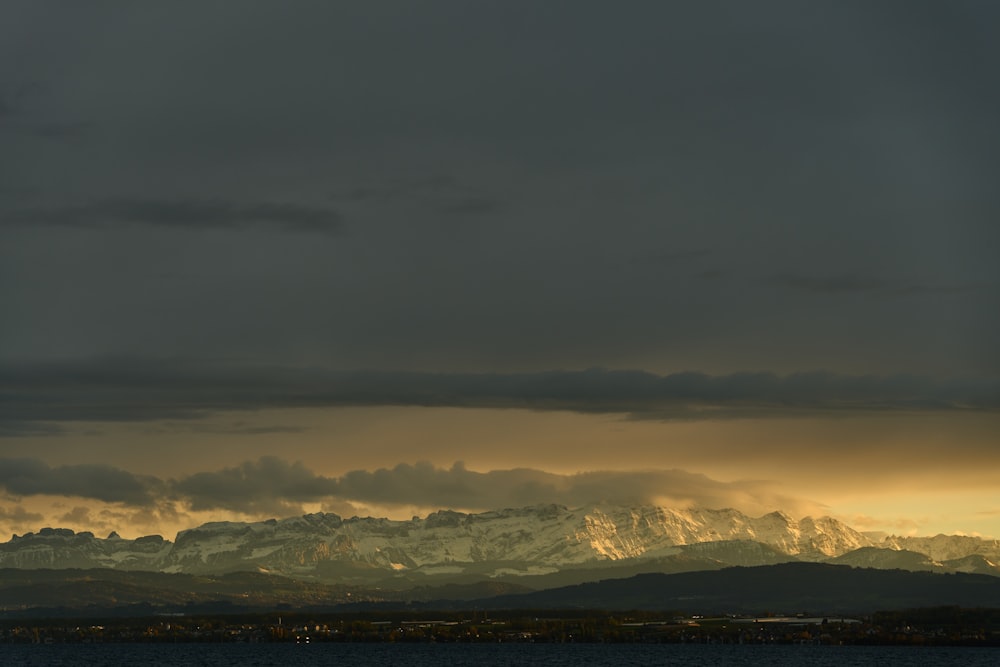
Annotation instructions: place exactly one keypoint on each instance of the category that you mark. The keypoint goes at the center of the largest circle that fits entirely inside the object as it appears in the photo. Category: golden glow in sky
(361, 257)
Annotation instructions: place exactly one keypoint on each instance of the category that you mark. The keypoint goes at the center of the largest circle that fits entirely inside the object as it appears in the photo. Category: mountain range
(538, 547)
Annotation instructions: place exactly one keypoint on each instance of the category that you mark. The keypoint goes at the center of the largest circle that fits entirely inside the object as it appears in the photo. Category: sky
(382, 258)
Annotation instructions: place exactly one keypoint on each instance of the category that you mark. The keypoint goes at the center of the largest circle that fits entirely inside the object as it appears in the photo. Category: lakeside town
(944, 626)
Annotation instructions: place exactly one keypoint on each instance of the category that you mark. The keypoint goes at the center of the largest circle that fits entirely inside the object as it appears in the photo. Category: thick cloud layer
(716, 186)
(35, 396)
(18, 515)
(459, 487)
(96, 481)
(263, 485)
(275, 486)
(191, 215)
(768, 209)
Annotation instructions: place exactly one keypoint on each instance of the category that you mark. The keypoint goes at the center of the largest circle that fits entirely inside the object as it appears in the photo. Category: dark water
(440, 655)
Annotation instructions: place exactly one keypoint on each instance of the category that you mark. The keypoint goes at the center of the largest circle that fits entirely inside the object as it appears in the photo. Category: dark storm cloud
(13, 97)
(425, 484)
(29, 477)
(268, 484)
(18, 515)
(18, 428)
(442, 193)
(134, 391)
(182, 214)
(674, 256)
(473, 206)
(917, 290)
(61, 130)
(821, 142)
(823, 284)
(16, 115)
(861, 283)
(237, 427)
(77, 515)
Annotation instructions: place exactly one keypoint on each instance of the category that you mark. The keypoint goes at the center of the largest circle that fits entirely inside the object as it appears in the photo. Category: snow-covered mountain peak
(945, 547)
(527, 539)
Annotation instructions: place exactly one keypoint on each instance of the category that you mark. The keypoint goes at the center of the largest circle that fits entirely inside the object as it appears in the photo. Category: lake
(436, 655)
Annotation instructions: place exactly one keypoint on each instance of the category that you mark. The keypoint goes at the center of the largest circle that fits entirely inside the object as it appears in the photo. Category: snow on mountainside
(551, 536)
(526, 540)
(889, 559)
(946, 547)
(974, 564)
(62, 548)
(635, 532)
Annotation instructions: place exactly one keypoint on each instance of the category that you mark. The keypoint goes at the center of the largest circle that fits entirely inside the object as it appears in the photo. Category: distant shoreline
(941, 626)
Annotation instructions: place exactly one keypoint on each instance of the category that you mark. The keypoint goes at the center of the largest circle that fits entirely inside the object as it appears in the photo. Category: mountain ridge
(514, 542)
(785, 588)
(790, 587)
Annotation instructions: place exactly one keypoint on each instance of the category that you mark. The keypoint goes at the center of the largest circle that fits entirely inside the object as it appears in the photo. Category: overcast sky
(395, 256)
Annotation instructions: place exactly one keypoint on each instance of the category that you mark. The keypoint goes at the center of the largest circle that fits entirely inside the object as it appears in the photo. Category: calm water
(437, 655)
